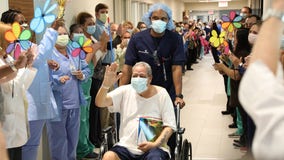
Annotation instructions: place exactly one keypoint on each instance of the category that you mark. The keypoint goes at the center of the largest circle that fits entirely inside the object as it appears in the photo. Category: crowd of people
(135, 71)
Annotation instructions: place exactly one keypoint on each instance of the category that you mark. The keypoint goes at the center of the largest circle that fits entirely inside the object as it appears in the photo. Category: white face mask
(127, 41)
(143, 29)
(62, 40)
(252, 38)
(139, 84)
(76, 36)
(244, 15)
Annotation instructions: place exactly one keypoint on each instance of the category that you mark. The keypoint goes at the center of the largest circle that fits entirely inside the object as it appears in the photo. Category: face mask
(178, 29)
(76, 36)
(103, 17)
(252, 38)
(244, 15)
(62, 40)
(130, 31)
(24, 25)
(143, 29)
(139, 84)
(91, 29)
(127, 41)
(159, 26)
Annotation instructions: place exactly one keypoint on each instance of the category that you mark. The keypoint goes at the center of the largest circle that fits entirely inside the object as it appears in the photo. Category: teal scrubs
(84, 144)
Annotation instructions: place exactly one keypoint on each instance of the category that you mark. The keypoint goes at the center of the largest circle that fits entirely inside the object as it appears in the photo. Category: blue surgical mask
(91, 29)
(76, 36)
(139, 84)
(159, 26)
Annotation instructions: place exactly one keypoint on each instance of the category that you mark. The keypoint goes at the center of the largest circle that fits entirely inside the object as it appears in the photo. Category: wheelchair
(183, 149)
(107, 142)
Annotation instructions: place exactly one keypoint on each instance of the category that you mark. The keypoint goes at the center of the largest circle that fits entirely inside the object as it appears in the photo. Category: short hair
(9, 16)
(73, 27)
(250, 10)
(127, 23)
(144, 64)
(100, 6)
(258, 23)
(256, 16)
(82, 16)
(139, 24)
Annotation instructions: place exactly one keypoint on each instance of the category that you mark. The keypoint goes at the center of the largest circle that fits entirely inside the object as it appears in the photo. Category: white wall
(4, 6)
(73, 7)
(177, 6)
(214, 6)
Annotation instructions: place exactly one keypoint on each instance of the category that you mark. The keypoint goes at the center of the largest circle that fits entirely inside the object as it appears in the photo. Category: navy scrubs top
(159, 53)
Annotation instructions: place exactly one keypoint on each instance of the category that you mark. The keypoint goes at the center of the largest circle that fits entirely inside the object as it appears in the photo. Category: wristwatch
(273, 13)
(240, 65)
(179, 96)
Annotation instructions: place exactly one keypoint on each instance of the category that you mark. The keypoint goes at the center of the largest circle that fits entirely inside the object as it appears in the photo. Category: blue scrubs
(159, 53)
(63, 135)
(42, 105)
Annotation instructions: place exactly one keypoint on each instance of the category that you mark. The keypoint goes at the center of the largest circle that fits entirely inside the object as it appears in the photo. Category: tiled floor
(206, 128)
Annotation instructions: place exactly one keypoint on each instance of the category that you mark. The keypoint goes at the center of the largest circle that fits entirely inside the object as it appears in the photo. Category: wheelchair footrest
(107, 130)
(181, 130)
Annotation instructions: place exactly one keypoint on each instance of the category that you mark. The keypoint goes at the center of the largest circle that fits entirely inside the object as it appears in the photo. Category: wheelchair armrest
(181, 130)
(107, 130)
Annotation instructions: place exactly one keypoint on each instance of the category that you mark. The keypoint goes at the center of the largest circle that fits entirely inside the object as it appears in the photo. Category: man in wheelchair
(147, 115)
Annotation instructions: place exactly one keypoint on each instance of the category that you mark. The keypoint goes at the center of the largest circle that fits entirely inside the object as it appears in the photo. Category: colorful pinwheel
(226, 48)
(82, 48)
(42, 17)
(229, 23)
(216, 40)
(18, 39)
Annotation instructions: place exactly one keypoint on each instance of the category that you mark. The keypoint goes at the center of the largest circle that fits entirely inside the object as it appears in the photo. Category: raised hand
(57, 23)
(111, 75)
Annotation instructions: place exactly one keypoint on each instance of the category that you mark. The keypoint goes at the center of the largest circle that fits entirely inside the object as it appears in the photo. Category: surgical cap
(155, 7)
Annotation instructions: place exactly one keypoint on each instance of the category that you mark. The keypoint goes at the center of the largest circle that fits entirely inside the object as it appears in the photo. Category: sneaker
(239, 145)
(225, 112)
(233, 125)
(234, 135)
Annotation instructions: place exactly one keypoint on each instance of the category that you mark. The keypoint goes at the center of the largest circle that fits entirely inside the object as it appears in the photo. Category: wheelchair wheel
(185, 150)
(180, 143)
(103, 150)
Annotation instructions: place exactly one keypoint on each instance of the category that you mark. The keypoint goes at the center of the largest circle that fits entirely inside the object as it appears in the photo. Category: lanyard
(157, 59)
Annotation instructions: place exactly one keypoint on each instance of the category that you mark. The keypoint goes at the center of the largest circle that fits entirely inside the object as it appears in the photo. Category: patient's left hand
(146, 146)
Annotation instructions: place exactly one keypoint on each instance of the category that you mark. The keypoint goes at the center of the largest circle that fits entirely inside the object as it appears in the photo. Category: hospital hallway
(206, 128)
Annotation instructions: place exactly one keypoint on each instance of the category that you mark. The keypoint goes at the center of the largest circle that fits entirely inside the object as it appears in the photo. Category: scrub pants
(63, 135)
(29, 150)
(84, 145)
